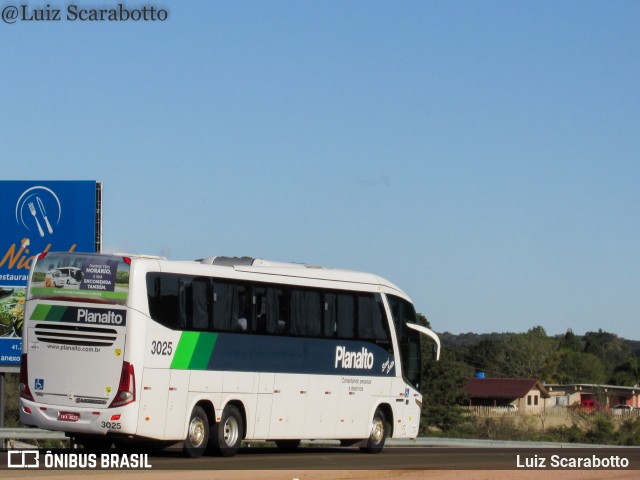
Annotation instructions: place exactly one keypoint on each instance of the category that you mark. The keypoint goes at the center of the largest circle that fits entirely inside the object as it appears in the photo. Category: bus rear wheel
(226, 435)
(197, 433)
(380, 430)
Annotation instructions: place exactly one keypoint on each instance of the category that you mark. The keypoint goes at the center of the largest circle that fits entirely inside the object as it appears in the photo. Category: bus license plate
(68, 417)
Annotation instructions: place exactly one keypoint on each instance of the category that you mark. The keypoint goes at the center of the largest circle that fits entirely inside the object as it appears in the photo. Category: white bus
(62, 276)
(216, 351)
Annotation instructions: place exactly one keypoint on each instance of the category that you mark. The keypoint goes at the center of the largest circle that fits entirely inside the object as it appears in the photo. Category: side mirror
(429, 333)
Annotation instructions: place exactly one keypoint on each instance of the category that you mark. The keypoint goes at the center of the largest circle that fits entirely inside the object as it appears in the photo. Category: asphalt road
(315, 458)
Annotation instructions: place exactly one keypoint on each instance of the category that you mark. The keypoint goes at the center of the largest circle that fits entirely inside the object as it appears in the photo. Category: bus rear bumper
(79, 420)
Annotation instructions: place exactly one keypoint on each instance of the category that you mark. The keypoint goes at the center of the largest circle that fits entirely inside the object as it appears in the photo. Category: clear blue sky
(484, 156)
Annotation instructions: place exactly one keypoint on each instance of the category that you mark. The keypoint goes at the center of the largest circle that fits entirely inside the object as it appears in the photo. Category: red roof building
(522, 393)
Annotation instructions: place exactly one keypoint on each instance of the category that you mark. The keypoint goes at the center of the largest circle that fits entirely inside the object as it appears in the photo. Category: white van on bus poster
(81, 275)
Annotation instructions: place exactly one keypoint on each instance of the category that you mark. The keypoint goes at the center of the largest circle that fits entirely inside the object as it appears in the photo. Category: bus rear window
(80, 277)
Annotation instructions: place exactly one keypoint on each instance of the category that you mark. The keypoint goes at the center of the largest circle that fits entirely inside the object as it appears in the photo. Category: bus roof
(299, 270)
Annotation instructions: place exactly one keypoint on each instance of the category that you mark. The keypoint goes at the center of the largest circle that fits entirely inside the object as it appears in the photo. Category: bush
(602, 431)
(564, 434)
(504, 429)
(629, 433)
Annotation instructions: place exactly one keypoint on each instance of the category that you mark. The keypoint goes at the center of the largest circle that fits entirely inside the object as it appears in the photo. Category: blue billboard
(35, 217)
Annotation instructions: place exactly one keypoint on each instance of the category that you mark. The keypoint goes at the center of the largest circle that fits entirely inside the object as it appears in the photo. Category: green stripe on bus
(184, 350)
(40, 312)
(203, 351)
(48, 313)
(194, 350)
(56, 313)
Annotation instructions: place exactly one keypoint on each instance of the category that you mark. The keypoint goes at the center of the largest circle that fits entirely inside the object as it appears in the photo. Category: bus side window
(232, 307)
(346, 312)
(260, 307)
(270, 309)
(163, 296)
(240, 308)
(153, 295)
(372, 321)
(222, 296)
(275, 309)
(281, 310)
(365, 317)
(329, 318)
(381, 325)
(200, 305)
(306, 314)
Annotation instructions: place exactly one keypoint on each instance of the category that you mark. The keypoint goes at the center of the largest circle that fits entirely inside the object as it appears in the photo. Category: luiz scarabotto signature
(73, 13)
(571, 461)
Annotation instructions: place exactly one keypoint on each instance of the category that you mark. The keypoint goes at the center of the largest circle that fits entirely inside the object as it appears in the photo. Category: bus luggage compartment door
(153, 402)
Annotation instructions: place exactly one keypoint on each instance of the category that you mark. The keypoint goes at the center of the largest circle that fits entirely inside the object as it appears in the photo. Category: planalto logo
(109, 317)
(350, 359)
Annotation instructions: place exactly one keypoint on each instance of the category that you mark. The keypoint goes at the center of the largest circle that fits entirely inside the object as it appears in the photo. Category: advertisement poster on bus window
(75, 277)
(39, 216)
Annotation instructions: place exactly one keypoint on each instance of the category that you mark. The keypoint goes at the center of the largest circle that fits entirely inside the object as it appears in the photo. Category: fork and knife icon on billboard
(43, 214)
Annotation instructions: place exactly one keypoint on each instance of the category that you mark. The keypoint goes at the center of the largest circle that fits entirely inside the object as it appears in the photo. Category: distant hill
(595, 357)
(470, 338)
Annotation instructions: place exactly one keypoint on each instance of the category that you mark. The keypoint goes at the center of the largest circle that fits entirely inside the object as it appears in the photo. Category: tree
(627, 374)
(524, 355)
(442, 395)
(571, 342)
(609, 347)
(488, 356)
(422, 320)
(580, 367)
(529, 354)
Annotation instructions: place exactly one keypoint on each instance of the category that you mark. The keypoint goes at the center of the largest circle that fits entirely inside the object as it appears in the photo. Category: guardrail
(9, 434)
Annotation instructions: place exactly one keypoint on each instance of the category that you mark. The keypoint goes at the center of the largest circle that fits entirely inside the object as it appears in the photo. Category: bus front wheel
(380, 430)
(226, 434)
(197, 433)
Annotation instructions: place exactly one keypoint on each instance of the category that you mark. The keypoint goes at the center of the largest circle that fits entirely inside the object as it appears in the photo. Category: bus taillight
(127, 388)
(25, 392)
